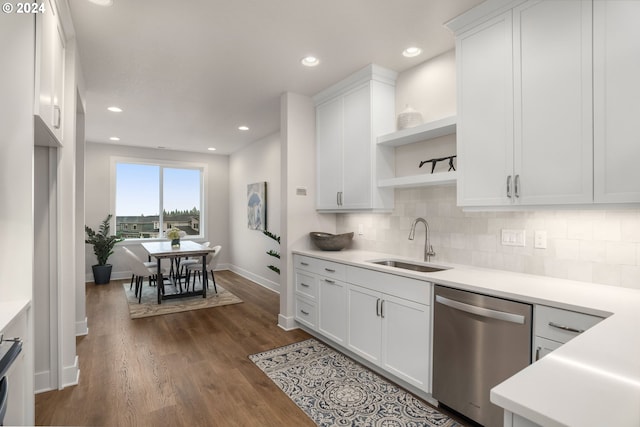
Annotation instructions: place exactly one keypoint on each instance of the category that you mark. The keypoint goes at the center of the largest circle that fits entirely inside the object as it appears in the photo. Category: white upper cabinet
(349, 117)
(616, 51)
(49, 83)
(485, 112)
(524, 105)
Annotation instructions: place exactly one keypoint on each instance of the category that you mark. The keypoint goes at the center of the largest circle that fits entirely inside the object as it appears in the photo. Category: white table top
(593, 380)
(165, 250)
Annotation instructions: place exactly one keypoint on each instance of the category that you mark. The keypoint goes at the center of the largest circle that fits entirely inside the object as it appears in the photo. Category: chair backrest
(212, 258)
(135, 263)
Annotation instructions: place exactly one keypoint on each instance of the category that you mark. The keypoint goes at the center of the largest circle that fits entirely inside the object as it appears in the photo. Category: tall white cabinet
(349, 117)
(49, 82)
(524, 105)
(616, 49)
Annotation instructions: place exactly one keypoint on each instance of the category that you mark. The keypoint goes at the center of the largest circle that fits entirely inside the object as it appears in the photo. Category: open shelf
(422, 180)
(430, 130)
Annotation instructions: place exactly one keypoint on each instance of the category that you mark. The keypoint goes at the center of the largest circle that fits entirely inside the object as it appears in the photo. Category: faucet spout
(428, 249)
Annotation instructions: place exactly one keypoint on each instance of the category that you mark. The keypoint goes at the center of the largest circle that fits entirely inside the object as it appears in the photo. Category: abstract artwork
(257, 206)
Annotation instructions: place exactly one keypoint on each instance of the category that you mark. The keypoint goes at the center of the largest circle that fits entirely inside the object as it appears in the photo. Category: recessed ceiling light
(114, 138)
(102, 2)
(211, 149)
(410, 52)
(243, 127)
(115, 109)
(310, 61)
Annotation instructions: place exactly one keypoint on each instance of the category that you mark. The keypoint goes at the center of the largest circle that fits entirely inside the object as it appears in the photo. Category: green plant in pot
(103, 243)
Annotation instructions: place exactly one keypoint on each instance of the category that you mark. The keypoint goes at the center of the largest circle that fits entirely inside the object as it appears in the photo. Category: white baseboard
(82, 328)
(71, 374)
(42, 382)
(287, 323)
(266, 283)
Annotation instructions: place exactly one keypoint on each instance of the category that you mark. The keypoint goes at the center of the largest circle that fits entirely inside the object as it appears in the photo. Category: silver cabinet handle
(330, 270)
(304, 263)
(304, 312)
(382, 309)
(566, 328)
(509, 186)
(538, 353)
(304, 285)
(338, 198)
(516, 185)
(330, 281)
(378, 307)
(481, 311)
(57, 116)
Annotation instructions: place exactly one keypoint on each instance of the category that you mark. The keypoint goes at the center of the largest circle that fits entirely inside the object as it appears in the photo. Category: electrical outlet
(360, 229)
(540, 239)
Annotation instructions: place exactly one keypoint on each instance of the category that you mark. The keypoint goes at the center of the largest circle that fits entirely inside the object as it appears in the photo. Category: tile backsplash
(599, 246)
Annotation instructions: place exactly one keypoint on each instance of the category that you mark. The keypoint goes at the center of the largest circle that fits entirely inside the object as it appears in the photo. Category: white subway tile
(621, 253)
(567, 249)
(594, 251)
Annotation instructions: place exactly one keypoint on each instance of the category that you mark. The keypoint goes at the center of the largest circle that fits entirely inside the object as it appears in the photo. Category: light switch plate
(513, 237)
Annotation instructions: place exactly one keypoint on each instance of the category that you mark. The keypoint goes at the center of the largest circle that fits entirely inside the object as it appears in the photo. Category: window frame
(161, 163)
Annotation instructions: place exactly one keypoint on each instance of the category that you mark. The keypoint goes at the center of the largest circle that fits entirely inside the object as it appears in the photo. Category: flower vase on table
(174, 234)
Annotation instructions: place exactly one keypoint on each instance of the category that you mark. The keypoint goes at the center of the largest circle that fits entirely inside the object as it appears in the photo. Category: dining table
(187, 248)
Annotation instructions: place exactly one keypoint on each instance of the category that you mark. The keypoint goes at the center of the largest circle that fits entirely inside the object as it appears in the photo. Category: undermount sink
(408, 265)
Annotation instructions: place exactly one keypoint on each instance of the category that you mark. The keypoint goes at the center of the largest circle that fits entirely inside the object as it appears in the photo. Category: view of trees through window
(144, 190)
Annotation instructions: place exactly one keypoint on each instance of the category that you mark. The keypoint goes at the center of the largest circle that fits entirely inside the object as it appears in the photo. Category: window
(151, 198)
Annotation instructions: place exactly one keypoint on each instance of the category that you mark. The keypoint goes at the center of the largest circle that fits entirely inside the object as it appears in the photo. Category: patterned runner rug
(149, 305)
(333, 390)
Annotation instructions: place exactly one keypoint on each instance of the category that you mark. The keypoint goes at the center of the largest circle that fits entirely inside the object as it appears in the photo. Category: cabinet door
(357, 146)
(332, 309)
(616, 47)
(553, 107)
(542, 347)
(364, 323)
(50, 52)
(329, 151)
(405, 340)
(485, 113)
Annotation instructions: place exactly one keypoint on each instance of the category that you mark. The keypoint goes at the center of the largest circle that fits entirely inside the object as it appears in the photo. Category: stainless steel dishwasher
(478, 342)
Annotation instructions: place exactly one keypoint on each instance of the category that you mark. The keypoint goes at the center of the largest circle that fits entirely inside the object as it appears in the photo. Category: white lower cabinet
(365, 327)
(381, 317)
(553, 327)
(332, 309)
(392, 333)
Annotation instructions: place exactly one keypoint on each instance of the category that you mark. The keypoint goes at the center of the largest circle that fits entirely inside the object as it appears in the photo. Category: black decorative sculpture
(439, 159)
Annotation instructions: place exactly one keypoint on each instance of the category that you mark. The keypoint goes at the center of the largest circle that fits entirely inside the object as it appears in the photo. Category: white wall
(16, 191)
(257, 162)
(299, 216)
(98, 187)
(599, 246)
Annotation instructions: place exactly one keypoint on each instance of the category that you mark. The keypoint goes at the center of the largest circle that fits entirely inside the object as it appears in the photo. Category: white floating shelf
(419, 133)
(422, 180)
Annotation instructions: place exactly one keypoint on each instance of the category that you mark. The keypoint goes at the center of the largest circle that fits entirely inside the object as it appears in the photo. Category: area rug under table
(333, 390)
(150, 307)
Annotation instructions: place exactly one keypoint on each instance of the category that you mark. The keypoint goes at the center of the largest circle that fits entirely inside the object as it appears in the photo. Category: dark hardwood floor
(183, 369)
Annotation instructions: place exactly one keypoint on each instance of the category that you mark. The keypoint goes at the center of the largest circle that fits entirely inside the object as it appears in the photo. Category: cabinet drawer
(402, 287)
(306, 312)
(561, 325)
(542, 347)
(306, 285)
(320, 266)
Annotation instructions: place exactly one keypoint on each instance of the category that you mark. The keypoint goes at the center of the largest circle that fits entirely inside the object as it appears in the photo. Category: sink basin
(408, 265)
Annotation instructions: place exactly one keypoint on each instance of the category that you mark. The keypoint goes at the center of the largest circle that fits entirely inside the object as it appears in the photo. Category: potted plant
(103, 244)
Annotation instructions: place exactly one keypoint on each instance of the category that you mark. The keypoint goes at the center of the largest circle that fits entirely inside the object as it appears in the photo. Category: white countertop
(9, 310)
(593, 380)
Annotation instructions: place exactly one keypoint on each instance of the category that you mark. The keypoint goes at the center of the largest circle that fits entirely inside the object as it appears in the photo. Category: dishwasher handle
(480, 311)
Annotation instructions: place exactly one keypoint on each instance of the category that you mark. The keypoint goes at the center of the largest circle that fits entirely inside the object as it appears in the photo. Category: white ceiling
(187, 73)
